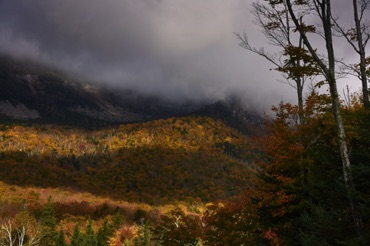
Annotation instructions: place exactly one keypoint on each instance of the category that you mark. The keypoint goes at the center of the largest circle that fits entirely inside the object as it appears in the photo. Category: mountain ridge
(35, 93)
(59, 132)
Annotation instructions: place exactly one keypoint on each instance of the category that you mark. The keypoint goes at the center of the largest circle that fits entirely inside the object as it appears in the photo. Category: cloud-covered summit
(178, 49)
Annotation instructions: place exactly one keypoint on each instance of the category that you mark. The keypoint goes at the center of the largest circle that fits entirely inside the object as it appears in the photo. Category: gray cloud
(178, 49)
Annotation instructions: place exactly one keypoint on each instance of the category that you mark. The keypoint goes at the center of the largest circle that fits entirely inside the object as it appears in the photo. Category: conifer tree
(118, 219)
(77, 237)
(104, 232)
(61, 239)
(89, 238)
(49, 223)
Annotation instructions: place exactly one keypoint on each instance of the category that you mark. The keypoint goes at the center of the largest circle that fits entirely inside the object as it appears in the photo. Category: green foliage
(296, 55)
(77, 237)
(61, 241)
(48, 218)
(104, 232)
(321, 226)
(89, 239)
(118, 219)
(49, 223)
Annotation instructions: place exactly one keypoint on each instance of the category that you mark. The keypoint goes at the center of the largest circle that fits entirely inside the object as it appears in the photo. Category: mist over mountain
(84, 127)
(172, 50)
(37, 93)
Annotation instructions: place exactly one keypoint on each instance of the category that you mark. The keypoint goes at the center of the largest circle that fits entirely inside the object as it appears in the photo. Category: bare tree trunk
(300, 101)
(323, 9)
(361, 52)
(300, 82)
(346, 164)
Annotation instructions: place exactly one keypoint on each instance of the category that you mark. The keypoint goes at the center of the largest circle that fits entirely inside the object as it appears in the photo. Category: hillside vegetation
(187, 181)
(191, 158)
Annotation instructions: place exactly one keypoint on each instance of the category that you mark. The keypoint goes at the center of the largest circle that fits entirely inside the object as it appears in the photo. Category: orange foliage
(156, 162)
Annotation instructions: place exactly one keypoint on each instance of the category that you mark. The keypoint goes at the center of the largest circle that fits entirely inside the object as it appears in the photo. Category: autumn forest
(299, 176)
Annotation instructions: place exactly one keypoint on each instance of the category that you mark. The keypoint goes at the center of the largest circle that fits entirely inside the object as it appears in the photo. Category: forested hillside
(281, 188)
(185, 161)
(67, 166)
(192, 158)
(142, 172)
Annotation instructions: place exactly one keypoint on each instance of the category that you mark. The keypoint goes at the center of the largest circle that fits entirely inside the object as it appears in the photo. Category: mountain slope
(74, 138)
(155, 162)
(35, 93)
(41, 94)
(232, 113)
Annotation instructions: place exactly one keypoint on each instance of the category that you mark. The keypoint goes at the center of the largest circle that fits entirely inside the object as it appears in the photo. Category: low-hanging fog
(176, 49)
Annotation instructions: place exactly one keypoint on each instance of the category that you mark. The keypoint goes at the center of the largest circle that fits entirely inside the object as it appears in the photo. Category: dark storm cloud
(82, 30)
(179, 49)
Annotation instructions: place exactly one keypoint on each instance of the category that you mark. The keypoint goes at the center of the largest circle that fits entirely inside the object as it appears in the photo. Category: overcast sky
(178, 49)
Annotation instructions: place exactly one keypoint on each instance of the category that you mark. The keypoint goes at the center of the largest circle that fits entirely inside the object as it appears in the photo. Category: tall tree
(358, 37)
(363, 37)
(323, 10)
(299, 194)
(49, 223)
(293, 60)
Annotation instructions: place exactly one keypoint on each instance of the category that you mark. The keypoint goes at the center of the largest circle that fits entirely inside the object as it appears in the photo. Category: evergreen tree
(49, 223)
(89, 238)
(118, 219)
(61, 239)
(104, 232)
(77, 237)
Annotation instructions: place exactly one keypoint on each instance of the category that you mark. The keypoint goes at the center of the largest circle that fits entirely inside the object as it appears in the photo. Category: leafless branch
(244, 43)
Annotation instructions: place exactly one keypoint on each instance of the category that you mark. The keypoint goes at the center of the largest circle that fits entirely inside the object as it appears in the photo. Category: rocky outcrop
(18, 111)
(108, 113)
